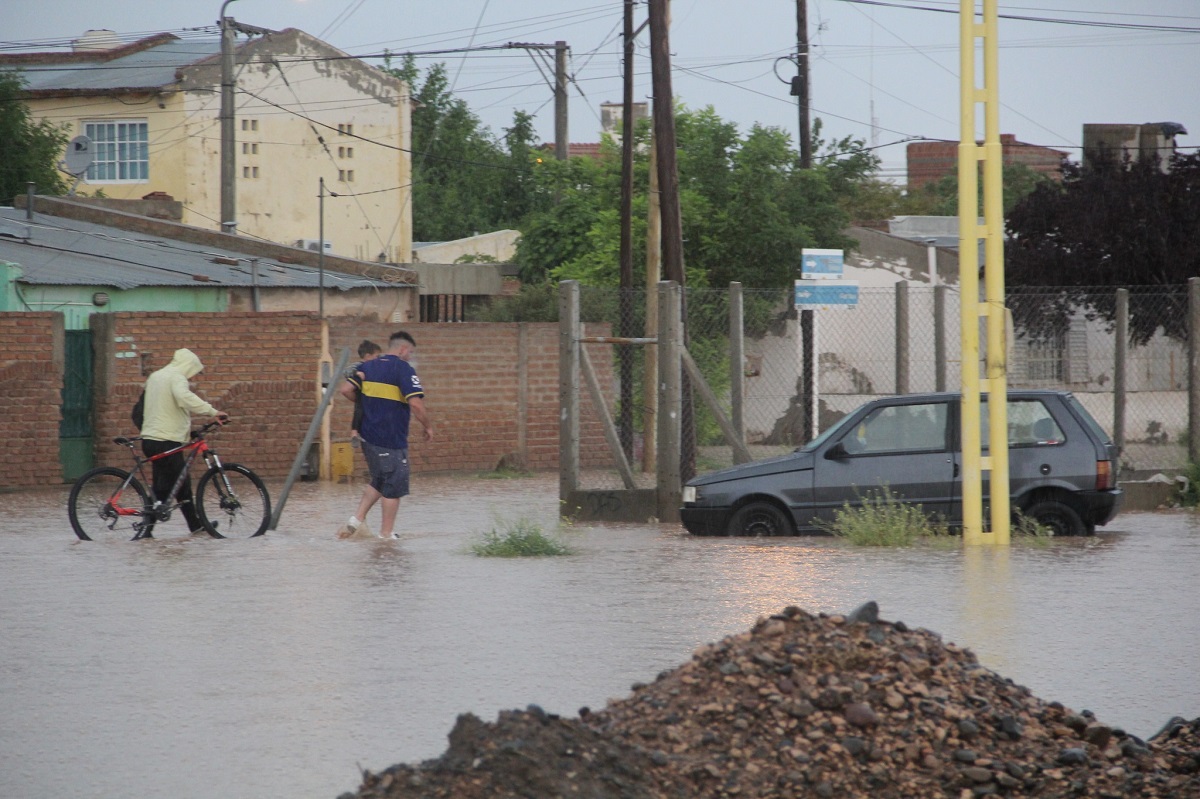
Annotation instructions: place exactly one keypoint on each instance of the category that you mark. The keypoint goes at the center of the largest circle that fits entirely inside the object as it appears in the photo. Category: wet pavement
(278, 666)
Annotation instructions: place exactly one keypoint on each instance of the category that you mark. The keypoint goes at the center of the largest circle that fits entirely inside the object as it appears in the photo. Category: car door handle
(956, 470)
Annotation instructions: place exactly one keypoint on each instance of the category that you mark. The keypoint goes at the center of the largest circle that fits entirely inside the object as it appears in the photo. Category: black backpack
(139, 410)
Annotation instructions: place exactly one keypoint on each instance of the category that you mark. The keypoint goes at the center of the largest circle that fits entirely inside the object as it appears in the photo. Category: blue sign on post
(821, 264)
(824, 295)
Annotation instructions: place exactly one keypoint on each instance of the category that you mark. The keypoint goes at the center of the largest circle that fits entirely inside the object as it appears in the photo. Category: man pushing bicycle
(170, 406)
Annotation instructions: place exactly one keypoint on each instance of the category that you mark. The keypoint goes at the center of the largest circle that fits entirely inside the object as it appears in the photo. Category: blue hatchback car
(1062, 469)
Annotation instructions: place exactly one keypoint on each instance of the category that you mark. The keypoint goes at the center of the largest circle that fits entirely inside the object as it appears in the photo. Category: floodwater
(280, 666)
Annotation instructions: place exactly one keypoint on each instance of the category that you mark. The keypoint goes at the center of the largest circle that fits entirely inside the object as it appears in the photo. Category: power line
(1051, 20)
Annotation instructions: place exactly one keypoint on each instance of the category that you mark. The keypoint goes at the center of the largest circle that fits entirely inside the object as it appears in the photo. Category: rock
(864, 717)
(866, 612)
(860, 714)
(1072, 757)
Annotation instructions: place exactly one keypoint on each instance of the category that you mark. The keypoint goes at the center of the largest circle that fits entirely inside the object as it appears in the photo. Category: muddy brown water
(277, 667)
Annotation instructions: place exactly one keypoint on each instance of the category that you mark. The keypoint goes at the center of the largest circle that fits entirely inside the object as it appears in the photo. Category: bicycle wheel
(232, 502)
(103, 507)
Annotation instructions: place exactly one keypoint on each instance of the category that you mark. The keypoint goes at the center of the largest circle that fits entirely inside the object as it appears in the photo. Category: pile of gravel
(808, 706)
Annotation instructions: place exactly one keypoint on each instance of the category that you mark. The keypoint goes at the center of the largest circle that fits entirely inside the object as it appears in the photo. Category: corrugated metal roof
(52, 250)
(151, 68)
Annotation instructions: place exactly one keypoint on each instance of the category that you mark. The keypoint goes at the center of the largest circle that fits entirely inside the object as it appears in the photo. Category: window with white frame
(121, 151)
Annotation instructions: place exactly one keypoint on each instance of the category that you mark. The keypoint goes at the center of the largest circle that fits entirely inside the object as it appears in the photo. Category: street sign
(824, 295)
(821, 264)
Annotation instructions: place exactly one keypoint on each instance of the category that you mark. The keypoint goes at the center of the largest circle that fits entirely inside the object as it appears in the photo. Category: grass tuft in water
(1027, 530)
(518, 539)
(883, 520)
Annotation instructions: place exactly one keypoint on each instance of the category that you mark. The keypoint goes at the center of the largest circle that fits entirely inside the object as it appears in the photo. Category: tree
(748, 208)
(1112, 223)
(940, 198)
(464, 180)
(29, 151)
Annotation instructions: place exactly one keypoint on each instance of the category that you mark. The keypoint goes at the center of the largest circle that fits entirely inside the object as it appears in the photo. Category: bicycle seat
(127, 441)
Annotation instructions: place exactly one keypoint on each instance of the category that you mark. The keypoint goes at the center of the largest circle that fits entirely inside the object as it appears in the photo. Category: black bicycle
(111, 503)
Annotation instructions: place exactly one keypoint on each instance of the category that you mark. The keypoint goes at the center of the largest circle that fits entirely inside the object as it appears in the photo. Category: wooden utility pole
(561, 138)
(802, 83)
(653, 275)
(624, 351)
(664, 141)
(672, 223)
(807, 322)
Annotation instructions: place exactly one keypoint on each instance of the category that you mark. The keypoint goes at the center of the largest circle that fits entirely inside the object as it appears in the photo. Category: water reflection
(276, 666)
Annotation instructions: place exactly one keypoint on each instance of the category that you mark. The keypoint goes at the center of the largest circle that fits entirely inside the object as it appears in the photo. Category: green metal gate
(75, 447)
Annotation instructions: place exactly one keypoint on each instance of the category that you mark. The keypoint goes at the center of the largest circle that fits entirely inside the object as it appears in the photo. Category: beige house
(304, 111)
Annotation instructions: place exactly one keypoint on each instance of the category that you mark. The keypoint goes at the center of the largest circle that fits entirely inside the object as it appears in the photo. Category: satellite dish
(79, 155)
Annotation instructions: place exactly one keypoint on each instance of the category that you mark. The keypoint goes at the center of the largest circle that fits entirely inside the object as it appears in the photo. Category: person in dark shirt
(367, 351)
(391, 394)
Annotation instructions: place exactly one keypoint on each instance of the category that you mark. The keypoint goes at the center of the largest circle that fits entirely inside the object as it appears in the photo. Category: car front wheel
(759, 519)
(1059, 517)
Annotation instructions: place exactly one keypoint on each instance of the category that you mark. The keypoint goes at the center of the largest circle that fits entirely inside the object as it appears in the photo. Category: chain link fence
(898, 339)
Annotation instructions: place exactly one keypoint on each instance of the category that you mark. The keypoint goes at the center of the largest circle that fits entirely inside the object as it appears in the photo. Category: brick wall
(31, 382)
(929, 162)
(258, 367)
(262, 369)
(471, 375)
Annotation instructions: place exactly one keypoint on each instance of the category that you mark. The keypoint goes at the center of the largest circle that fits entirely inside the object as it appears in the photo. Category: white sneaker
(353, 524)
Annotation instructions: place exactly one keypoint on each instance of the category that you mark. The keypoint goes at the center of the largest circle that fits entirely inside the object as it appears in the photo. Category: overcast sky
(882, 71)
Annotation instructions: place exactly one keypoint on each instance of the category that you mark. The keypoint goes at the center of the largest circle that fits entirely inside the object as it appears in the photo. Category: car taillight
(1105, 479)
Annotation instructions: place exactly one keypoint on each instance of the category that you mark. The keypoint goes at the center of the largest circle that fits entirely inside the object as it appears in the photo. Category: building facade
(930, 161)
(305, 112)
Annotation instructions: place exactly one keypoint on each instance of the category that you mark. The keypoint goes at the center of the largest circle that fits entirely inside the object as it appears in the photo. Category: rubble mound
(809, 706)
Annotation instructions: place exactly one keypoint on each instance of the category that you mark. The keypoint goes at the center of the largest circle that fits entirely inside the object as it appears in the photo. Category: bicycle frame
(162, 510)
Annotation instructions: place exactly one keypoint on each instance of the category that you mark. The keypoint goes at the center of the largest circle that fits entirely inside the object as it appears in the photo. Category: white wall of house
(305, 112)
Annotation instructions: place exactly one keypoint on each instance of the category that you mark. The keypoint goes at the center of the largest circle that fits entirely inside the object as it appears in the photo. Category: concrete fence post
(939, 337)
(670, 400)
(902, 343)
(1121, 342)
(737, 365)
(569, 330)
(1194, 369)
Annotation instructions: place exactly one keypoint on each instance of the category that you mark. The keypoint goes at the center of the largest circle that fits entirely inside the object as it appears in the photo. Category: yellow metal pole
(993, 217)
(968, 280)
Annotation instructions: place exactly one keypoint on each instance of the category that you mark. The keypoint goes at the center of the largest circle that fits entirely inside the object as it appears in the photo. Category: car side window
(1030, 424)
(899, 428)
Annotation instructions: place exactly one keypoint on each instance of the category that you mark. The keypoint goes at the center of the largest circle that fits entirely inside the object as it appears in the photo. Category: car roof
(954, 395)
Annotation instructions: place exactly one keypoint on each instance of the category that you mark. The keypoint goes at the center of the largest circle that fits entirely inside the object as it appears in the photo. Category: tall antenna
(871, 83)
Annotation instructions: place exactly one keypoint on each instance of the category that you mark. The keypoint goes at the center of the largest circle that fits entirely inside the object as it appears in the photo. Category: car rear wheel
(760, 519)
(1060, 517)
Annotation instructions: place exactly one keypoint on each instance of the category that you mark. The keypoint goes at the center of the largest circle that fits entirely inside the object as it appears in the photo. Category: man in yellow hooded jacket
(170, 405)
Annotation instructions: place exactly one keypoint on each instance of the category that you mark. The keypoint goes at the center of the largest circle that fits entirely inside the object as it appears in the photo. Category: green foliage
(940, 198)
(465, 180)
(1027, 530)
(747, 208)
(1189, 493)
(29, 151)
(1111, 223)
(518, 539)
(884, 520)
(535, 302)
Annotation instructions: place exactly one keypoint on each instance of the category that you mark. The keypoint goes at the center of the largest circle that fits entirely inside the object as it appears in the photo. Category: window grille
(121, 151)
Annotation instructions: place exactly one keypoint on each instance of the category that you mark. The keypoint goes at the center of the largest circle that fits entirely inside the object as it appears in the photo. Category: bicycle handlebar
(208, 426)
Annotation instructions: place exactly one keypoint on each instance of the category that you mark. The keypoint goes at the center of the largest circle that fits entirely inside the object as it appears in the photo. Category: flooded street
(278, 666)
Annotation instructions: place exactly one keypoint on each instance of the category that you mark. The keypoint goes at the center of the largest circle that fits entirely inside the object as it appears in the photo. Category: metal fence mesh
(889, 344)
